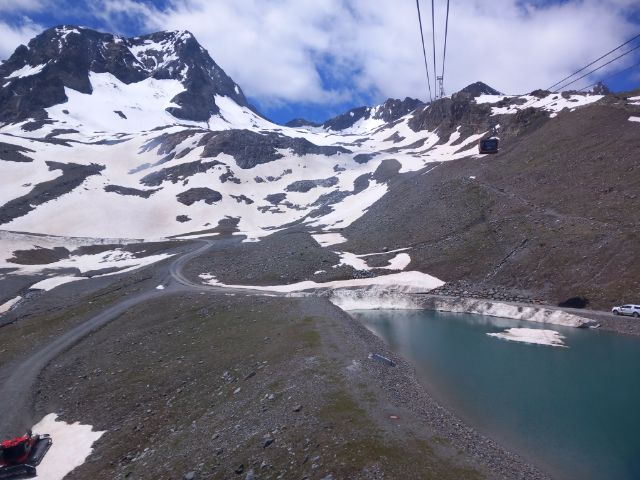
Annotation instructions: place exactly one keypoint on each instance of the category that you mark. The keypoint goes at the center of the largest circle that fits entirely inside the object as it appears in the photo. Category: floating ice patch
(634, 119)
(531, 335)
(72, 444)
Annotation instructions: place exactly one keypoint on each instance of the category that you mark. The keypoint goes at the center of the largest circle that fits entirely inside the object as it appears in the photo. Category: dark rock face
(39, 256)
(275, 198)
(364, 157)
(445, 115)
(129, 191)
(14, 153)
(478, 88)
(182, 218)
(167, 142)
(306, 185)
(189, 197)
(301, 122)
(389, 111)
(72, 177)
(600, 89)
(242, 198)
(251, 148)
(67, 54)
(387, 170)
(177, 173)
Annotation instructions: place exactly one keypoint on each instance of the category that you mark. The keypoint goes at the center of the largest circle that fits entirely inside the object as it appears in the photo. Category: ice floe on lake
(531, 335)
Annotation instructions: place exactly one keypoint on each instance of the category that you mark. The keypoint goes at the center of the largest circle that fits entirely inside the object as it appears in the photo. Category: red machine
(20, 456)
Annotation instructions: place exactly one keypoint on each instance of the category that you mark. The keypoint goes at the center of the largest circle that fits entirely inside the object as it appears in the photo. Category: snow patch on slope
(6, 306)
(143, 104)
(53, 282)
(327, 239)
(72, 444)
(413, 281)
(27, 71)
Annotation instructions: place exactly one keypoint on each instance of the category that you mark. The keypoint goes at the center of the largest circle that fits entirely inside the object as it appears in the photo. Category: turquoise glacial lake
(572, 411)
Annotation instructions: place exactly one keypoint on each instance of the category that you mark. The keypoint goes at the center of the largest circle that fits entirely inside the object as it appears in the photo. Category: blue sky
(304, 58)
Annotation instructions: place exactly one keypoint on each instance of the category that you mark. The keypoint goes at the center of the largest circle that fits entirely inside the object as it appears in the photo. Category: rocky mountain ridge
(151, 134)
(35, 76)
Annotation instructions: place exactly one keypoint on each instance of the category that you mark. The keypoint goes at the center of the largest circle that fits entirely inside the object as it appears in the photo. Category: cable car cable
(424, 51)
(610, 76)
(446, 31)
(601, 66)
(433, 39)
(595, 61)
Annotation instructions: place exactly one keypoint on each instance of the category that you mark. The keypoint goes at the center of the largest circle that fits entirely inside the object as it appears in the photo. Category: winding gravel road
(17, 384)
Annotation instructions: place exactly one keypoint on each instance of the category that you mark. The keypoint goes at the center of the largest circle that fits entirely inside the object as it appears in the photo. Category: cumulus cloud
(15, 35)
(20, 5)
(329, 51)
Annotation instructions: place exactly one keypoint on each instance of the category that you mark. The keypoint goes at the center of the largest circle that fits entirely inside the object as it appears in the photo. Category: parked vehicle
(20, 456)
(628, 309)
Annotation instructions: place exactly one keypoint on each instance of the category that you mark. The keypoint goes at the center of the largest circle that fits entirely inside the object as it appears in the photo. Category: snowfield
(406, 281)
(121, 260)
(121, 127)
(136, 171)
(72, 444)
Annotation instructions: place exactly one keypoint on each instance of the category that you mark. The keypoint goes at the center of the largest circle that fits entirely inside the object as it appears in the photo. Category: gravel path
(362, 419)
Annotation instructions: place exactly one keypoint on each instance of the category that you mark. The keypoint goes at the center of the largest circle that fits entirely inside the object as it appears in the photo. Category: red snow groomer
(20, 456)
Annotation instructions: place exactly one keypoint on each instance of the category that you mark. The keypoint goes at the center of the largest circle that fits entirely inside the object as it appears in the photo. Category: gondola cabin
(488, 145)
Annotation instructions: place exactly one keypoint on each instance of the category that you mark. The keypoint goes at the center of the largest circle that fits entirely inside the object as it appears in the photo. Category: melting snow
(6, 306)
(399, 262)
(72, 444)
(143, 103)
(413, 280)
(53, 282)
(634, 119)
(531, 335)
(326, 239)
(352, 260)
(27, 71)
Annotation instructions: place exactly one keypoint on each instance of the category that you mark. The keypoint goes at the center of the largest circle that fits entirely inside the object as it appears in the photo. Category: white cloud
(277, 49)
(326, 52)
(20, 5)
(13, 36)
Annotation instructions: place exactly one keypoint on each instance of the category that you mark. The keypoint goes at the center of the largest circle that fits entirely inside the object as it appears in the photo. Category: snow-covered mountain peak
(68, 58)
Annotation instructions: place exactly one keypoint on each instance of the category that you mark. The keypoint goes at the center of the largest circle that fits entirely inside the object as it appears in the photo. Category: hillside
(150, 133)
